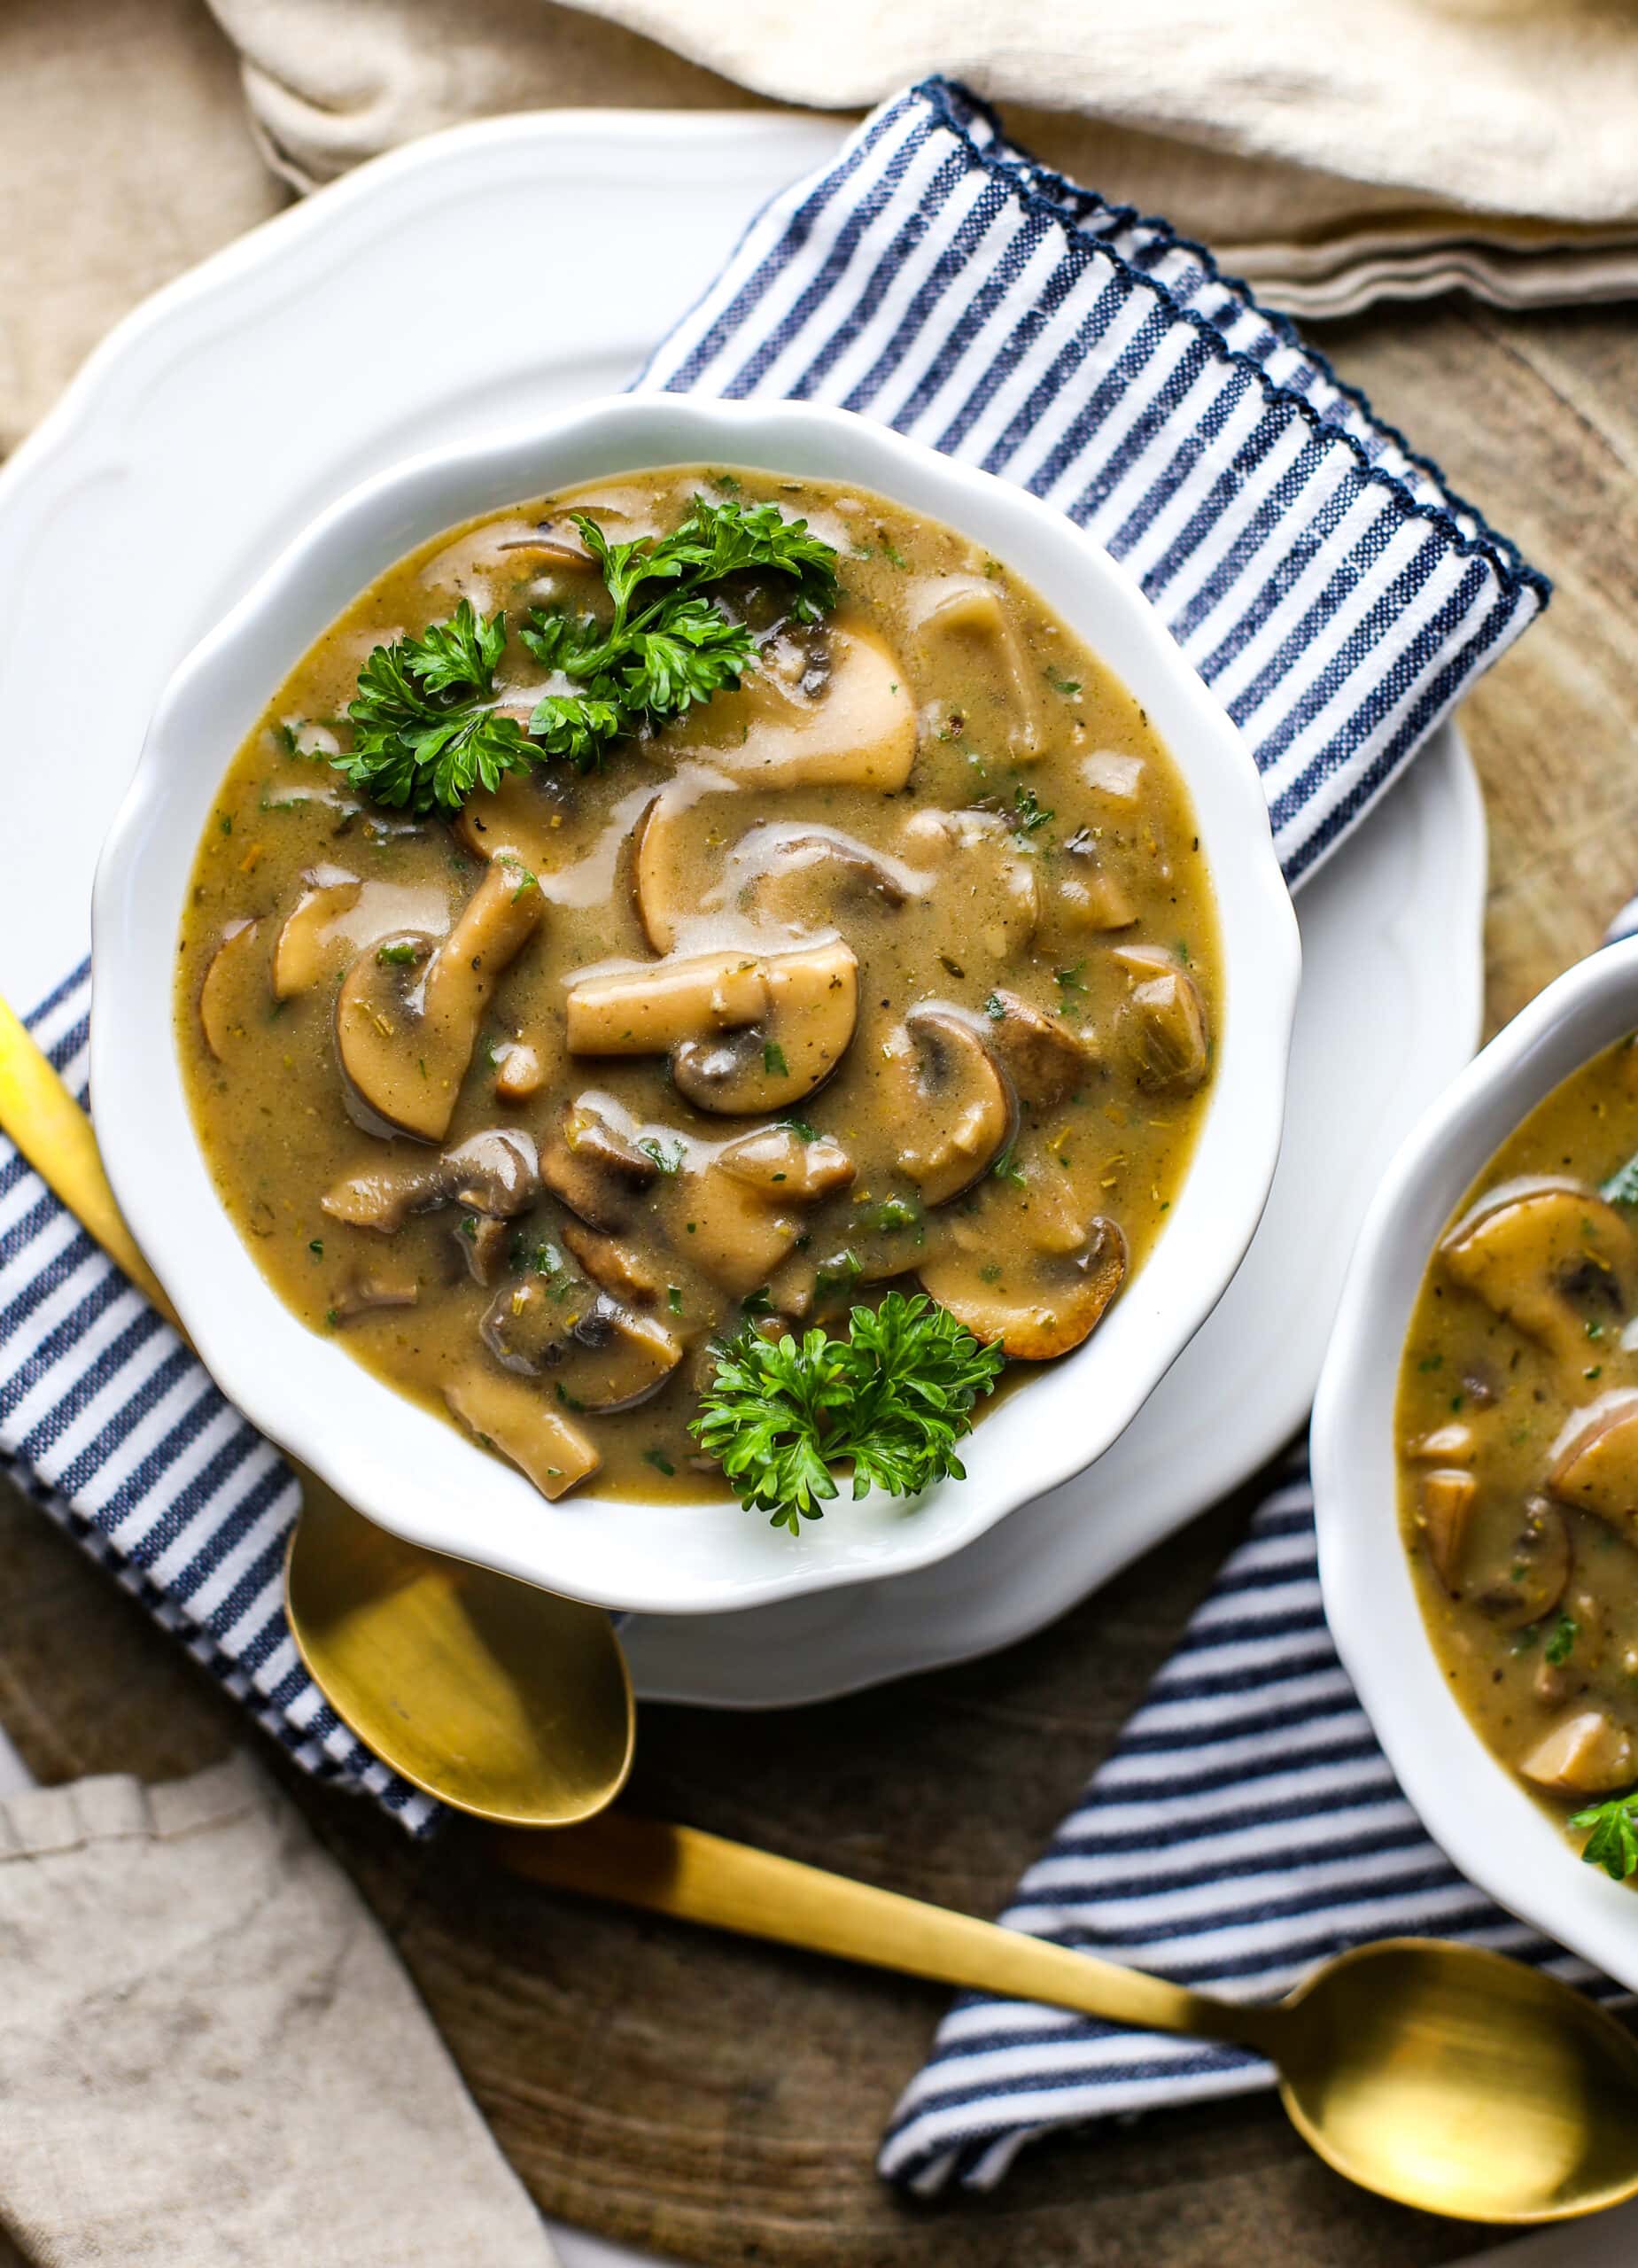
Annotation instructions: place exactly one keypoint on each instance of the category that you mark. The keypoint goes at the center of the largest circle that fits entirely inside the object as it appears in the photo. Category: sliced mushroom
(1164, 1021)
(946, 1100)
(1047, 1061)
(1445, 1501)
(302, 952)
(1548, 1255)
(1590, 1754)
(379, 1288)
(510, 1416)
(1595, 1461)
(1531, 1581)
(594, 1168)
(613, 1266)
(650, 1007)
(598, 1353)
(519, 1072)
(788, 1168)
(745, 1032)
(979, 868)
(523, 815)
(408, 1013)
(484, 1240)
(229, 982)
(859, 731)
(962, 632)
(732, 1232)
(664, 858)
(800, 876)
(493, 1172)
(1450, 1444)
(1087, 894)
(1036, 1304)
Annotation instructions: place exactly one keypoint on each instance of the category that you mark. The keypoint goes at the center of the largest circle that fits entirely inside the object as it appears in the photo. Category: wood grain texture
(720, 2101)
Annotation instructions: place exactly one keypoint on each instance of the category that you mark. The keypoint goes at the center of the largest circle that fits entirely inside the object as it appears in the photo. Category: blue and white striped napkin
(1244, 1827)
(1325, 583)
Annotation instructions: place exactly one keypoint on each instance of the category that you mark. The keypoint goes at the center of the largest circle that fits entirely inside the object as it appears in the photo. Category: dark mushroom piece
(597, 1353)
(493, 1172)
(788, 1168)
(798, 876)
(594, 1168)
(613, 1266)
(484, 1240)
(1531, 1580)
(1047, 1061)
(510, 1415)
(1164, 1021)
(408, 1014)
(946, 1100)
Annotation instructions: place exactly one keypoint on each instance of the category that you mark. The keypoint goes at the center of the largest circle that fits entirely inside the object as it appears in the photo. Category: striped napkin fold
(1244, 1827)
(1328, 586)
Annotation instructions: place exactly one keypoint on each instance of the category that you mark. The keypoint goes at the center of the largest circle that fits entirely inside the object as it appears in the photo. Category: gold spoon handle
(55, 1136)
(696, 1877)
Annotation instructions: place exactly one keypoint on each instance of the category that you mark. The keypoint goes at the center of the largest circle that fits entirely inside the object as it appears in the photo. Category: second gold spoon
(494, 1696)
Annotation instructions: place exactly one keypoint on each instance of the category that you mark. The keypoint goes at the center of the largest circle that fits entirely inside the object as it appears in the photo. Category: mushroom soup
(1517, 1440)
(876, 948)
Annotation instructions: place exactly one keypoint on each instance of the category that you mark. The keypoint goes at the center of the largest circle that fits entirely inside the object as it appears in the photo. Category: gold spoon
(1442, 2076)
(493, 1695)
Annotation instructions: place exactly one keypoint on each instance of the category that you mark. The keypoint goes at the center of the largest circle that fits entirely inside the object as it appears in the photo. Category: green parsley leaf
(890, 1401)
(399, 956)
(1611, 1835)
(773, 1060)
(668, 1161)
(1031, 816)
(1622, 1186)
(1561, 1640)
(424, 731)
(1067, 685)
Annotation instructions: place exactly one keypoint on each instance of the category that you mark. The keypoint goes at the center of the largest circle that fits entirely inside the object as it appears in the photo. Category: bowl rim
(1469, 1803)
(386, 1461)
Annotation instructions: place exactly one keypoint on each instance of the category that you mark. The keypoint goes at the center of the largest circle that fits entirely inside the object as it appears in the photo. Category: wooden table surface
(722, 2102)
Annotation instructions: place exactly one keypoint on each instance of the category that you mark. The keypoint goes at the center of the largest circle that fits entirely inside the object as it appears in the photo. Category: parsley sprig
(427, 731)
(891, 1400)
(1611, 1835)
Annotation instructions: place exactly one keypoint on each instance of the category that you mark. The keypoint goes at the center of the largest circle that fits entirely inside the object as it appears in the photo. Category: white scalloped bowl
(407, 1469)
(1472, 1805)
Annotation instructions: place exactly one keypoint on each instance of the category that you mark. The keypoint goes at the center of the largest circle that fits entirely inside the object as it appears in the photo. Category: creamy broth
(899, 962)
(1518, 1434)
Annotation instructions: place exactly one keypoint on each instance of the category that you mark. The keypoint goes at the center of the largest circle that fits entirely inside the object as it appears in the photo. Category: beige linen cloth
(1331, 153)
(210, 2056)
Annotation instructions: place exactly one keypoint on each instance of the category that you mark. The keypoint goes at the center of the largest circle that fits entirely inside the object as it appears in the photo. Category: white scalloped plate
(228, 410)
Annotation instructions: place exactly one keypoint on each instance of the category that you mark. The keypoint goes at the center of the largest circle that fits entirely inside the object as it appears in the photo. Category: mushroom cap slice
(732, 1232)
(1039, 1305)
(1164, 1021)
(483, 1239)
(515, 1418)
(406, 1022)
(1595, 1461)
(785, 1167)
(793, 1047)
(302, 949)
(948, 1099)
(1445, 1501)
(231, 982)
(797, 876)
(378, 1288)
(612, 1266)
(1548, 1255)
(493, 1172)
(1531, 1581)
(521, 816)
(666, 853)
(594, 1168)
(520, 1073)
(599, 1354)
(1047, 1061)
(858, 731)
(961, 631)
(647, 1008)
(1588, 1754)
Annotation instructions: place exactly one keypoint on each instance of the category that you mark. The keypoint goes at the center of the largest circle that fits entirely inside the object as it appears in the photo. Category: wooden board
(722, 2102)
